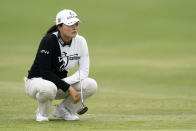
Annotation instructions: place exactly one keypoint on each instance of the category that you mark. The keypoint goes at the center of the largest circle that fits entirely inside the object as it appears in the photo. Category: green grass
(143, 56)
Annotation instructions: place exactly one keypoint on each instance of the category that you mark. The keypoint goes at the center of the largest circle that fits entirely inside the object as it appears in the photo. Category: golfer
(59, 51)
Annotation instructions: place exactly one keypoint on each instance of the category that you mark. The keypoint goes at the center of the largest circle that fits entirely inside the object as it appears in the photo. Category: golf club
(83, 108)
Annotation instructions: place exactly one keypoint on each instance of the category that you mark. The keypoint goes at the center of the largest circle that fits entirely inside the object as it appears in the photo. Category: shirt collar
(60, 40)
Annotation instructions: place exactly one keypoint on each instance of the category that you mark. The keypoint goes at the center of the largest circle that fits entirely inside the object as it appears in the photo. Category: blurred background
(143, 54)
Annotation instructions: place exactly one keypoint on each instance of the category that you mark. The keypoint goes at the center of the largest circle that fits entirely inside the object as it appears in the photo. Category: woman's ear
(59, 27)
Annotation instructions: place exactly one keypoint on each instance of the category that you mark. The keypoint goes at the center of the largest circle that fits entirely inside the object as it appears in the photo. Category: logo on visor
(59, 20)
(72, 15)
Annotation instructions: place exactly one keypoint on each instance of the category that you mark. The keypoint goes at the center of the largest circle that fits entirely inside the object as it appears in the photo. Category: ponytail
(53, 29)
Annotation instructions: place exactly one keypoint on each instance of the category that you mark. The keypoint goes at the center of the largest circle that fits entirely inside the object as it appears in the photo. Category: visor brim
(72, 21)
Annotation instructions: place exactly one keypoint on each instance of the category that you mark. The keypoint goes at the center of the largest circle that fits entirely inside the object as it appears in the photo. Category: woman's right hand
(74, 94)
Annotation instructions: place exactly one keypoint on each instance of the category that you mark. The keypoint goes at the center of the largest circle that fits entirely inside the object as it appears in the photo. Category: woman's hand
(74, 94)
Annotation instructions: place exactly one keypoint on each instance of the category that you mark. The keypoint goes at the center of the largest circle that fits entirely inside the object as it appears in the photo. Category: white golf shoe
(40, 118)
(61, 112)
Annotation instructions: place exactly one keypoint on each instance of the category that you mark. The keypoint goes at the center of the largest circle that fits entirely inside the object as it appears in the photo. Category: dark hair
(53, 29)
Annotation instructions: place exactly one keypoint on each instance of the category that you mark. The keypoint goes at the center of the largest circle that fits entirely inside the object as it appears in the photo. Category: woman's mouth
(74, 32)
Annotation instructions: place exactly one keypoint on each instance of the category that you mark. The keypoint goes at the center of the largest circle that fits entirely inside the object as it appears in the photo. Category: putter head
(83, 110)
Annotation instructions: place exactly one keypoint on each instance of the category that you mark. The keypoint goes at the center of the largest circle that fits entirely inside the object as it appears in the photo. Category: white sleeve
(83, 65)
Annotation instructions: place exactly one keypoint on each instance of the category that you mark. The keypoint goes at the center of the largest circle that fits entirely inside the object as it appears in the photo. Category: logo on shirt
(65, 59)
(44, 52)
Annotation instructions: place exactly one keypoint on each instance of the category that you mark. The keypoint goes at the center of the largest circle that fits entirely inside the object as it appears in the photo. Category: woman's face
(68, 32)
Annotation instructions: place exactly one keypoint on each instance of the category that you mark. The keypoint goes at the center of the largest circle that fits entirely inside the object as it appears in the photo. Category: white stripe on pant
(45, 92)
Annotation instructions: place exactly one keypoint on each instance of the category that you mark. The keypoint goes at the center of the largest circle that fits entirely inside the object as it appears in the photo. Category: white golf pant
(45, 92)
